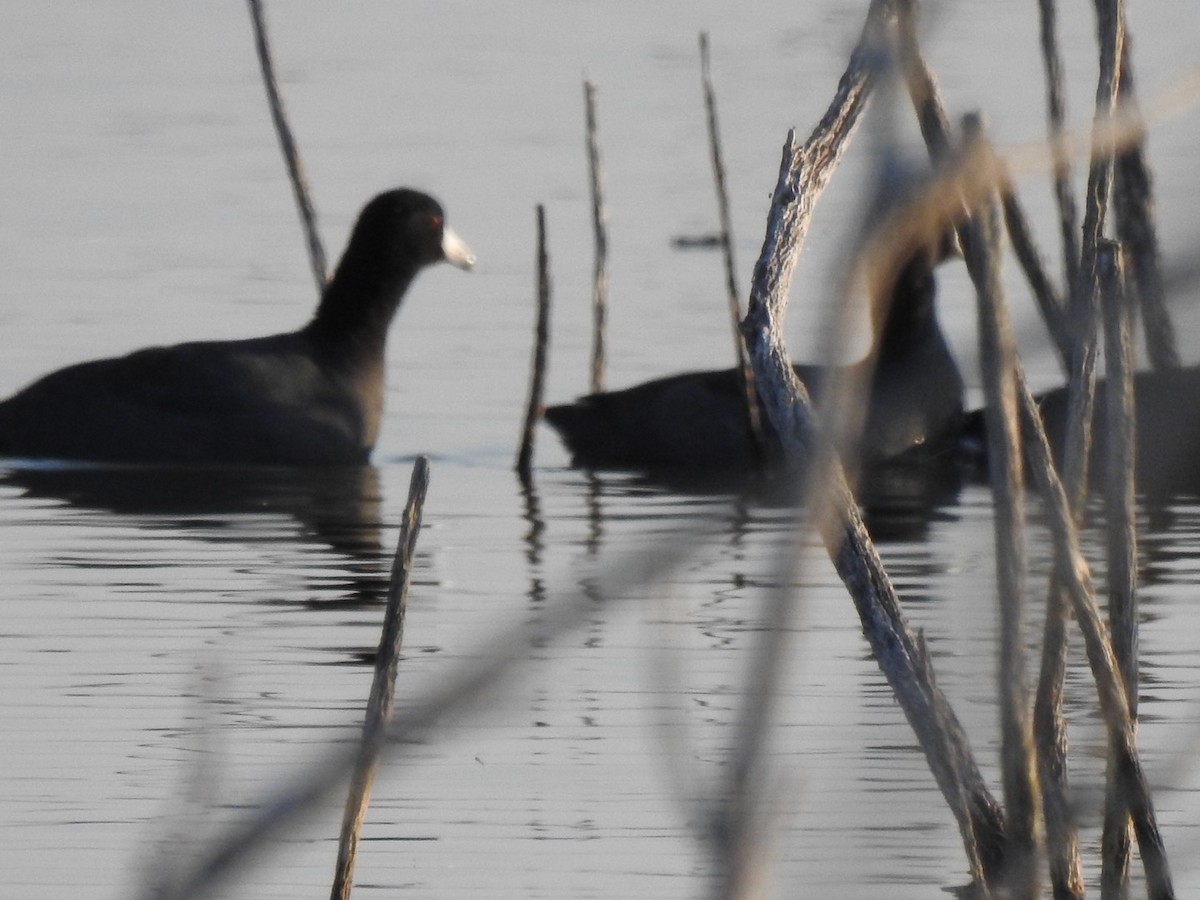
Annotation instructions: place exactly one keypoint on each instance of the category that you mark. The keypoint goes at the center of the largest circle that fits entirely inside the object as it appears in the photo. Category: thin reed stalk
(1049, 301)
(537, 377)
(291, 154)
(742, 361)
(600, 235)
(1063, 841)
(1121, 538)
(997, 350)
(1056, 116)
(1081, 388)
(1049, 728)
(1085, 292)
(1063, 855)
(1081, 383)
(1133, 203)
(1075, 576)
(383, 687)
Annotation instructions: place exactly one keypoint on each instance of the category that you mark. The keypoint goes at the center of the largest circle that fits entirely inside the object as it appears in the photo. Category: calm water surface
(156, 626)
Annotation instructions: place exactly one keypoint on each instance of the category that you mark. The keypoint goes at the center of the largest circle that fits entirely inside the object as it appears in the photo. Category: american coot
(308, 397)
(696, 422)
(1167, 442)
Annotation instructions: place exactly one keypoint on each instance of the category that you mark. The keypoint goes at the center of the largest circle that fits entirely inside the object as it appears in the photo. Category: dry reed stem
(742, 361)
(1049, 731)
(1105, 135)
(901, 655)
(997, 347)
(1133, 203)
(600, 235)
(383, 687)
(537, 377)
(1084, 314)
(1065, 864)
(1056, 115)
(1075, 576)
(1120, 535)
(291, 154)
(1063, 855)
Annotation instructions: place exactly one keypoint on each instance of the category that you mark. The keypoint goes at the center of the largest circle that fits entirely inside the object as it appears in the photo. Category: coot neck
(352, 320)
(905, 316)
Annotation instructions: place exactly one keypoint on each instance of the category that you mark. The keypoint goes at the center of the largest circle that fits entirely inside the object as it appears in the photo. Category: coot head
(403, 230)
(397, 234)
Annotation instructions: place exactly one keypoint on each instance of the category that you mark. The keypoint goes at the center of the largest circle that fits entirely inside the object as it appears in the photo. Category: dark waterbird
(695, 424)
(1167, 436)
(307, 397)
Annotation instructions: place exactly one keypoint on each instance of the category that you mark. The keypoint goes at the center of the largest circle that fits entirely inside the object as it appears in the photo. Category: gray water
(152, 628)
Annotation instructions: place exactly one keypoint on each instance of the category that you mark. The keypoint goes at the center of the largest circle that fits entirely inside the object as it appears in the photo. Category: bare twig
(383, 686)
(1056, 113)
(746, 372)
(599, 228)
(291, 155)
(537, 377)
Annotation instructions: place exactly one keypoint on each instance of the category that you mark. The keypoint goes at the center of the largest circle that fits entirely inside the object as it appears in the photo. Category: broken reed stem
(997, 349)
(900, 653)
(1056, 115)
(537, 378)
(1120, 535)
(599, 229)
(742, 361)
(1133, 203)
(291, 155)
(383, 686)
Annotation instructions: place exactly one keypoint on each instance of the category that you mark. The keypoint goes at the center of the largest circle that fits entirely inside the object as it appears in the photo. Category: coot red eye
(436, 222)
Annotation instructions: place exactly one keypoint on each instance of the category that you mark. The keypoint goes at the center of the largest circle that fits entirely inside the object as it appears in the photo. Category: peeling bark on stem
(901, 655)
